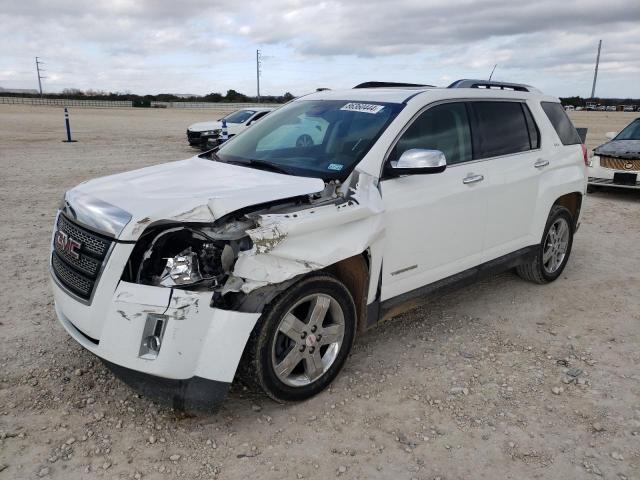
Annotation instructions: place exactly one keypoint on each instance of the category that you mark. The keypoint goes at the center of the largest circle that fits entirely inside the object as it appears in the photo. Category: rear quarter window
(561, 123)
(499, 128)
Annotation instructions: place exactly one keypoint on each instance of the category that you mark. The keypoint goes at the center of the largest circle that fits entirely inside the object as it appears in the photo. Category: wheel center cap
(311, 340)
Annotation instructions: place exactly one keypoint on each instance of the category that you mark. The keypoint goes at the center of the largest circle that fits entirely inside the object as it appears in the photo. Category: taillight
(585, 155)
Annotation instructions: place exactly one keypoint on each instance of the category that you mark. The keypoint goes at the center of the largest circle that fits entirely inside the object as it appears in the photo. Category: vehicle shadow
(624, 194)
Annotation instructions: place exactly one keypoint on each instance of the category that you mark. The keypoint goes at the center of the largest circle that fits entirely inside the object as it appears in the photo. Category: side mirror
(610, 135)
(418, 161)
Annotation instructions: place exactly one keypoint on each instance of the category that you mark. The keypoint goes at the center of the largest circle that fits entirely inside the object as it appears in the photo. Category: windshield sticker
(362, 107)
(335, 166)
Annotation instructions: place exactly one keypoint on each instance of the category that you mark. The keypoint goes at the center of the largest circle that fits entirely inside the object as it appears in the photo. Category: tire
(296, 365)
(304, 140)
(543, 268)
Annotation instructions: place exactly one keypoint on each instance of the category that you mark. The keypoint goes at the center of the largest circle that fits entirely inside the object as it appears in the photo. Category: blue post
(66, 122)
(224, 135)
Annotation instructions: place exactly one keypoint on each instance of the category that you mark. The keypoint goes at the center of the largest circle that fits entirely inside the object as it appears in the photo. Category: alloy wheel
(308, 340)
(555, 246)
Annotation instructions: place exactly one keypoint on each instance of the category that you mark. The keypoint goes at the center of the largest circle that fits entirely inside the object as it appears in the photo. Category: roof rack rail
(389, 84)
(469, 83)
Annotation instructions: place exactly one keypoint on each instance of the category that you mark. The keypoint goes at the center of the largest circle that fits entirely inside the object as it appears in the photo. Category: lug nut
(303, 335)
(302, 347)
(313, 329)
(312, 349)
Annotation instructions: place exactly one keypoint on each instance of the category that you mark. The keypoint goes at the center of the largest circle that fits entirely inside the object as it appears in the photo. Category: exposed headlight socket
(152, 335)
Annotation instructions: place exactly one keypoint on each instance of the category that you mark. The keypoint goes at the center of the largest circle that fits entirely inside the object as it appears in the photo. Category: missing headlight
(182, 257)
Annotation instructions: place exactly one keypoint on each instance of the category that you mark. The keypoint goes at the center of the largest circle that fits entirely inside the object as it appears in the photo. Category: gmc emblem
(68, 245)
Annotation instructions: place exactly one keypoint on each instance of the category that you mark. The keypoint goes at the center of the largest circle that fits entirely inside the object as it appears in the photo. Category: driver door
(434, 222)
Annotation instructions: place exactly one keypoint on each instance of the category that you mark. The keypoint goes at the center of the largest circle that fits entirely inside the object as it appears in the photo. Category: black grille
(79, 270)
(193, 135)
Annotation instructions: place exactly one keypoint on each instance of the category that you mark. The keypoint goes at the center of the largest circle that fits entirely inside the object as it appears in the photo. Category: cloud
(198, 45)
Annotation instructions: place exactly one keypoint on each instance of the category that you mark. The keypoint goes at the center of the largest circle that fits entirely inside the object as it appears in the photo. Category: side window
(444, 127)
(500, 128)
(561, 123)
(258, 116)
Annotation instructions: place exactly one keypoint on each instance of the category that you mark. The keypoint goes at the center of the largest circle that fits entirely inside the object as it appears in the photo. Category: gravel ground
(504, 379)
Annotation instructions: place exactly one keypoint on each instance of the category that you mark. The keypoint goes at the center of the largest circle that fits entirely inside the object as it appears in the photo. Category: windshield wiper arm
(250, 163)
(262, 164)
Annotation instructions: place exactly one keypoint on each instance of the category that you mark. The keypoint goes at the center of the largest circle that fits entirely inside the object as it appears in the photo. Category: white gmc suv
(265, 258)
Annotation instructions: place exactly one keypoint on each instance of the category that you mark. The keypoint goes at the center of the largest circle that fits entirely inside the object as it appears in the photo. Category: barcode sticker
(362, 107)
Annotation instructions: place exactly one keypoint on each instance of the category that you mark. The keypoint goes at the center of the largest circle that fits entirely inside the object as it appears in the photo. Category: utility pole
(258, 72)
(595, 74)
(40, 77)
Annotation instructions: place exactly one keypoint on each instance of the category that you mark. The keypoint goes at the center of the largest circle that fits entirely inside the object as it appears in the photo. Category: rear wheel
(302, 340)
(554, 250)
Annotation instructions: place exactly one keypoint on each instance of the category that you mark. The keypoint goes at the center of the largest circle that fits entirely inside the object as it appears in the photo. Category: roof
(404, 94)
(388, 95)
(257, 109)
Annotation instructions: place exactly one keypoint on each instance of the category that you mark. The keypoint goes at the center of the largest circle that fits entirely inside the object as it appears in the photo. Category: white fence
(63, 102)
(230, 107)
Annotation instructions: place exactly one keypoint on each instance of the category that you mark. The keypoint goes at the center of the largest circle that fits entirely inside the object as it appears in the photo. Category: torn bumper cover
(192, 361)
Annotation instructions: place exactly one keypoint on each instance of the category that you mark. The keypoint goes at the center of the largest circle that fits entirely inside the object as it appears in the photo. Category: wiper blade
(262, 164)
(259, 164)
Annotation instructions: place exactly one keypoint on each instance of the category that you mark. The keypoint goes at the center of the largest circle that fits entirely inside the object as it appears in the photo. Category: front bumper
(196, 139)
(600, 176)
(201, 345)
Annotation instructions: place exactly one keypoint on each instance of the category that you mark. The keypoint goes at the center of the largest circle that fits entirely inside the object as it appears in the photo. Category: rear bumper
(608, 182)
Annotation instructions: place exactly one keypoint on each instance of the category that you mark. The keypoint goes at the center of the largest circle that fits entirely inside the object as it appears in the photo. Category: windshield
(631, 131)
(240, 116)
(313, 138)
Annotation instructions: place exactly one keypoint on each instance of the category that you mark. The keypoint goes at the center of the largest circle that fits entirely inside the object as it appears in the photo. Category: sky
(202, 46)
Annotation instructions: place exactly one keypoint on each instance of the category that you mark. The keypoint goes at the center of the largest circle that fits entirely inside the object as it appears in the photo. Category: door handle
(540, 163)
(472, 179)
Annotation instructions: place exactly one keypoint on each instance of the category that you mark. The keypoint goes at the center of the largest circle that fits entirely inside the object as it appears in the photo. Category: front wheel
(302, 340)
(554, 250)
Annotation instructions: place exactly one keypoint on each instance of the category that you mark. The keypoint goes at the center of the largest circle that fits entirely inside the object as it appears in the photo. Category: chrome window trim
(456, 100)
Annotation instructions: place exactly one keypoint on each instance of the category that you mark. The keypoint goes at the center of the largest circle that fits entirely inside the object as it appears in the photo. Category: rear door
(508, 140)
(434, 222)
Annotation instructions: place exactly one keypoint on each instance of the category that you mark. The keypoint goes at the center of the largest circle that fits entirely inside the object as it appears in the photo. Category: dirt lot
(474, 385)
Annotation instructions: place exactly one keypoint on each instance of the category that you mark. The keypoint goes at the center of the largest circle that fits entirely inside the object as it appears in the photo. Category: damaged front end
(190, 257)
(173, 311)
(258, 252)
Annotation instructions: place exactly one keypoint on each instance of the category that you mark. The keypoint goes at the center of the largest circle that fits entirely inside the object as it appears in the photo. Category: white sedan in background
(199, 134)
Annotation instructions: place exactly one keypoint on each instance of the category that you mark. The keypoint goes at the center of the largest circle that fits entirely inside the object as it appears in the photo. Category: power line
(40, 77)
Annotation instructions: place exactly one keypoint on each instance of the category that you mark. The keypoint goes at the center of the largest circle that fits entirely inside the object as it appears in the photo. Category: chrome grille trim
(620, 163)
(79, 276)
(92, 243)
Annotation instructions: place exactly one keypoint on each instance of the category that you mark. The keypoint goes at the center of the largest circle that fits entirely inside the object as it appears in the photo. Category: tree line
(232, 96)
(582, 102)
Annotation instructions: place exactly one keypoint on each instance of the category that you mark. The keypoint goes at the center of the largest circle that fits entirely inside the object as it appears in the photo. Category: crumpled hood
(193, 190)
(204, 126)
(620, 148)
